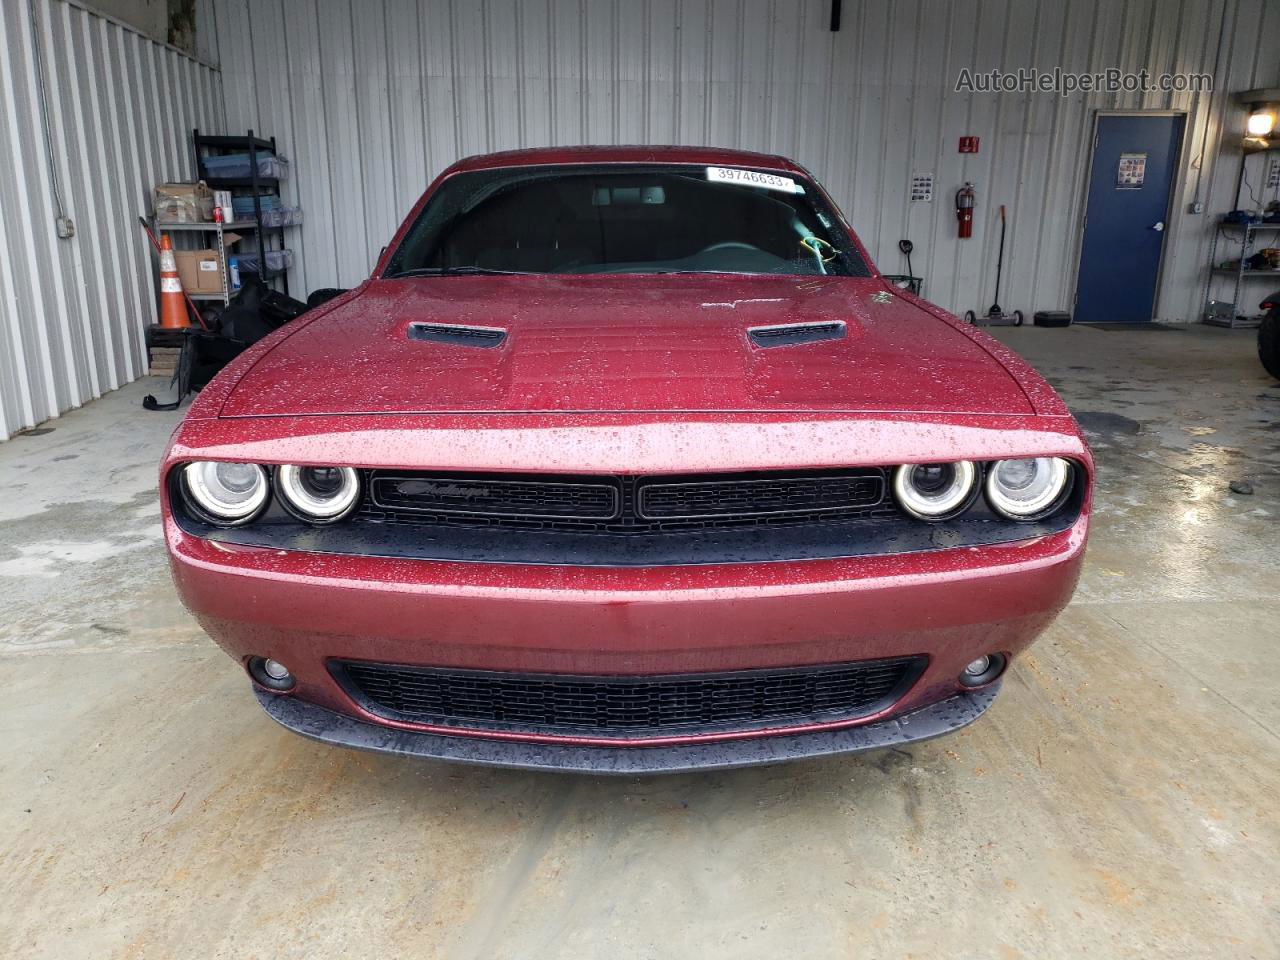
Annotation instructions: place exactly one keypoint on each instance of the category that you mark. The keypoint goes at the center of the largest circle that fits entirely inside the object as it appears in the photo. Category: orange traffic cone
(173, 307)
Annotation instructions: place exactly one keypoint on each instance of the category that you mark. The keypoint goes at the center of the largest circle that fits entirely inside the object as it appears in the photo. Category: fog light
(982, 671)
(278, 671)
(271, 673)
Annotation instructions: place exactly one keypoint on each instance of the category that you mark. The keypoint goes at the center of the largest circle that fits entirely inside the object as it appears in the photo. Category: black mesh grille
(727, 498)
(628, 706)
(488, 496)
(620, 505)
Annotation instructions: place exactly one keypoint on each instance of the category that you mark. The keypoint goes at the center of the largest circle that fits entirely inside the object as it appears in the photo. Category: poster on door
(1131, 171)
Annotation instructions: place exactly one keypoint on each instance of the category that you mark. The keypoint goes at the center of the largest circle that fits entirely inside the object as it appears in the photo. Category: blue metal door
(1134, 159)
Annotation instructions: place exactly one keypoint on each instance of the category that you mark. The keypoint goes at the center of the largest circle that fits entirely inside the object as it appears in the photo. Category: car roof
(542, 156)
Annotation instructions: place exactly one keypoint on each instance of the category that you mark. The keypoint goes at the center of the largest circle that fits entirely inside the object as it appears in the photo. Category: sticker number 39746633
(752, 178)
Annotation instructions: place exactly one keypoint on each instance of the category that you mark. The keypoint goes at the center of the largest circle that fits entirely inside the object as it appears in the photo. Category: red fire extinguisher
(964, 210)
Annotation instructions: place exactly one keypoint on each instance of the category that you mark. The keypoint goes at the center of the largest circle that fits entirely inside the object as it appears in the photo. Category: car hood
(624, 344)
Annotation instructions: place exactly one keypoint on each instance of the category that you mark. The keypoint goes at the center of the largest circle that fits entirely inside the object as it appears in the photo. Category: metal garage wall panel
(372, 98)
(121, 108)
(38, 284)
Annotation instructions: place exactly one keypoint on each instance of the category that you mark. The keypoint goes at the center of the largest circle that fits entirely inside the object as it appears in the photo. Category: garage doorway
(1131, 176)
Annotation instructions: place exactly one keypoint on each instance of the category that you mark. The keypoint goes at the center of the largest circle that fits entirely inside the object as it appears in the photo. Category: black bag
(257, 311)
(323, 295)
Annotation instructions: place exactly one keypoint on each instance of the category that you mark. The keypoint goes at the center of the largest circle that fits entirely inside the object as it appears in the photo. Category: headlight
(1027, 489)
(318, 494)
(935, 491)
(225, 493)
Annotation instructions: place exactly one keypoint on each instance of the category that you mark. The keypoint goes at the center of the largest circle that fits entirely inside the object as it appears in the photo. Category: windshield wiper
(462, 270)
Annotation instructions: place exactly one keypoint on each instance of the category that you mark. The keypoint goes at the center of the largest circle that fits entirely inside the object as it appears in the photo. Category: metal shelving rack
(202, 146)
(218, 229)
(1247, 232)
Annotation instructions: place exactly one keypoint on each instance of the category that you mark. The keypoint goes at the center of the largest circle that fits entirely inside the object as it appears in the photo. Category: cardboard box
(199, 270)
(183, 202)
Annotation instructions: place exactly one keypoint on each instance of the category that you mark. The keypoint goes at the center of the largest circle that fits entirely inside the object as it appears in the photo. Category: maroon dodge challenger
(624, 460)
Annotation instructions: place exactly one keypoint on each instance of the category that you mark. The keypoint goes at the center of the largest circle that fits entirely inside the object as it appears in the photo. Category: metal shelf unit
(204, 146)
(1214, 310)
(218, 230)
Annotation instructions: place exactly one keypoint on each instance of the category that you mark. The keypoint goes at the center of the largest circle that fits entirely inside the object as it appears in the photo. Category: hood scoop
(787, 334)
(458, 335)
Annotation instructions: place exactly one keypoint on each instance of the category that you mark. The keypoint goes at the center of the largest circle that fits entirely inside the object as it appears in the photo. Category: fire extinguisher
(964, 210)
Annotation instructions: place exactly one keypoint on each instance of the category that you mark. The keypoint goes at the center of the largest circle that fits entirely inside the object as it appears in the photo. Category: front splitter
(327, 726)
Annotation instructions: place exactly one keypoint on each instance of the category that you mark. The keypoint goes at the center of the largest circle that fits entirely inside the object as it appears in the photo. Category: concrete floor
(1119, 800)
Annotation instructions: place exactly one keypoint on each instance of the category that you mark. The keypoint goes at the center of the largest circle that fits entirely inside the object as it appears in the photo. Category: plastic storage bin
(243, 206)
(237, 165)
(277, 261)
(280, 217)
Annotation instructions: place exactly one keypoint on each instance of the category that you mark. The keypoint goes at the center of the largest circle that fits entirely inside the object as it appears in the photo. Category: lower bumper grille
(624, 706)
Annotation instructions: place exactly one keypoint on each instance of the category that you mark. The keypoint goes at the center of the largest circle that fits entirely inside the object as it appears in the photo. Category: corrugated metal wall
(373, 97)
(121, 108)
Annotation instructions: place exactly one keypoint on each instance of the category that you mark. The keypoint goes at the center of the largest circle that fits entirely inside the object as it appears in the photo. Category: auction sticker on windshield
(752, 178)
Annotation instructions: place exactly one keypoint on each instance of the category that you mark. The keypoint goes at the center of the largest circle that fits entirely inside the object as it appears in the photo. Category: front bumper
(327, 726)
(306, 610)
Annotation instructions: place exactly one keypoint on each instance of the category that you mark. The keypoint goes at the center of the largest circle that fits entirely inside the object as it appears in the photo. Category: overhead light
(1263, 105)
(1261, 123)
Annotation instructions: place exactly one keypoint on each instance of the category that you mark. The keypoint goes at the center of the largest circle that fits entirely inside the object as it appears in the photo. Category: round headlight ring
(225, 493)
(318, 494)
(935, 491)
(1029, 488)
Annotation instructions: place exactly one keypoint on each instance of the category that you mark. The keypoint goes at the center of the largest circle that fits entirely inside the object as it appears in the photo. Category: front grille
(628, 707)
(738, 498)
(487, 496)
(625, 504)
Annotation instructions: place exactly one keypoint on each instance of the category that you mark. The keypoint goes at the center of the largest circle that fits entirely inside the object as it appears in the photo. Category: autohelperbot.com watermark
(1066, 82)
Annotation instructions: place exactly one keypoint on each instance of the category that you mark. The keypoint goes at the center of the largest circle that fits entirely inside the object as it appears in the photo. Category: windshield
(632, 219)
